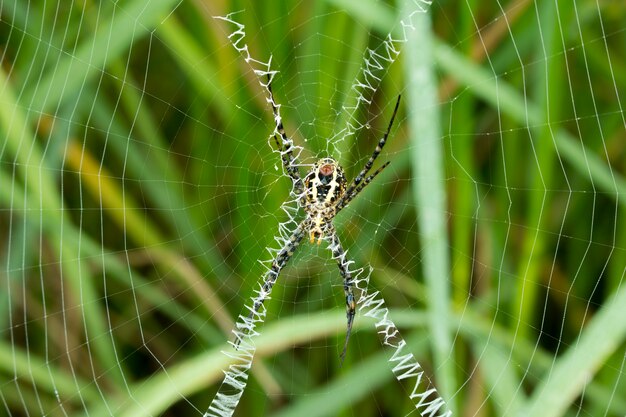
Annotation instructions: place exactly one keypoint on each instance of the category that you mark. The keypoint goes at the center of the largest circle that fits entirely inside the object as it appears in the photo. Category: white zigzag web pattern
(405, 367)
(235, 378)
(375, 64)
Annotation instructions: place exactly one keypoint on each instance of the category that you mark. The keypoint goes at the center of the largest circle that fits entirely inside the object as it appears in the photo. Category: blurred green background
(139, 191)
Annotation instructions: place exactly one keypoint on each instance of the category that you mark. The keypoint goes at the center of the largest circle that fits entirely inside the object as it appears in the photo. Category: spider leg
(347, 198)
(269, 279)
(285, 145)
(340, 255)
(368, 165)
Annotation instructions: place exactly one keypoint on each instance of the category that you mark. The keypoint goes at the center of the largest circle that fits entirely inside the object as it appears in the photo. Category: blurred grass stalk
(429, 193)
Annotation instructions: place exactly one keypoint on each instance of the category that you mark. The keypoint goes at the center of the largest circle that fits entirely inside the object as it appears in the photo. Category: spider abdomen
(324, 185)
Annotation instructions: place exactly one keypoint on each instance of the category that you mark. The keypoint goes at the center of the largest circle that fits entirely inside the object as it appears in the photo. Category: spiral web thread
(404, 365)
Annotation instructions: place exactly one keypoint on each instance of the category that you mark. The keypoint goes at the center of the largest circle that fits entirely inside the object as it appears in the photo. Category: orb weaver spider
(322, 193)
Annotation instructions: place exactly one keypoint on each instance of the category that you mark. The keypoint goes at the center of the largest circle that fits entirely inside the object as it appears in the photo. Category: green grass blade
(114, 37)
(511, 102)
(548, 95)
(56, 381)
(154, 395)
(360, 381)
(502, 385)
(429, 193)
(571, 373)
(42, 196)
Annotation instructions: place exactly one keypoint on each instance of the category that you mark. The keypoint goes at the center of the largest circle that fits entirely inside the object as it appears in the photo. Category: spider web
(140, 189)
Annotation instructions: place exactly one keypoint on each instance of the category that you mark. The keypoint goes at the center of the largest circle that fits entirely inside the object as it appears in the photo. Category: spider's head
(324, 185)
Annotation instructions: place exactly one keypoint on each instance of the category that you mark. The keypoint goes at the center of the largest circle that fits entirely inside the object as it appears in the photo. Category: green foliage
(139, 190)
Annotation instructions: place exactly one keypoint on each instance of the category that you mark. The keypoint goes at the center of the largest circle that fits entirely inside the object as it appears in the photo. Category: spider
(323, 193)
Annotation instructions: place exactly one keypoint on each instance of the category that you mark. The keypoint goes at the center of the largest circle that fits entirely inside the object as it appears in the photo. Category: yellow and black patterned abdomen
(324, 185)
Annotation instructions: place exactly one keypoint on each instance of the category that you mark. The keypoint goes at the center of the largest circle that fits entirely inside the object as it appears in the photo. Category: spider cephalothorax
(324, 186)
(322, 193)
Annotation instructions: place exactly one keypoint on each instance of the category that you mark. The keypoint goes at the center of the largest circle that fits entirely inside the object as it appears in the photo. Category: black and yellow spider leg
(285, 145)
(292, 171)
(269, 279)
(368, 165)
(347, 198)
(340, 255)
